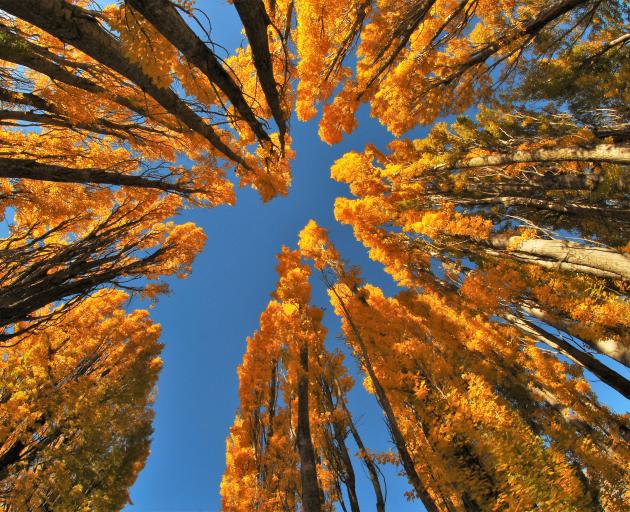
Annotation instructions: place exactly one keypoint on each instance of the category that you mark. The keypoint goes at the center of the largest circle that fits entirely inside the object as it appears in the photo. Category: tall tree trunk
(163, 15)
(19, 168)
(311, 500)
(565, 255)
(339, 435)
(397, 437)
(77, 27)
(370, 465)
(559, 206)
(526, 29)
(256, 22)
(586, 361)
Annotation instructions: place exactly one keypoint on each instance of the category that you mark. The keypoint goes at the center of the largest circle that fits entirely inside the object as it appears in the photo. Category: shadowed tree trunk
(348, 476)
(586, 361)
(163, 15)
(256, 23)
(606, 346)
(19, 168)
(77, 27)
(311, 500)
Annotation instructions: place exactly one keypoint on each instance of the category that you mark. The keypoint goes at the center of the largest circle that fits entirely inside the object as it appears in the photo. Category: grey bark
(565, 255)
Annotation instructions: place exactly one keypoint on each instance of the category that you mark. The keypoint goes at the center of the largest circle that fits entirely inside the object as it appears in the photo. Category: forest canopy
(500, 210)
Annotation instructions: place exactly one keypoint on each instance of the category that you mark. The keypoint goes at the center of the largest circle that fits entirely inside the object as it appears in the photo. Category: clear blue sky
(208, 316)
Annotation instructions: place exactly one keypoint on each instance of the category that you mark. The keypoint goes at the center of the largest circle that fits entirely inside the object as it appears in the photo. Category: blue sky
(207, 318)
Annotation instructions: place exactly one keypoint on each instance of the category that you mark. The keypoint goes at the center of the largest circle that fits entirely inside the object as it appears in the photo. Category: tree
(292, 410)
(75, 408)
(113, 120)
(505, 230)
(468, 406)
(420, 60)
(124, 80)
(64, 261)
(497, 221)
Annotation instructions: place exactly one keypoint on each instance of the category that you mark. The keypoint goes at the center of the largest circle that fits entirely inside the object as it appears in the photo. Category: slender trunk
(605, 346)
(76, 26)
(397, 437)
(339, 434)
(370, 465)
(163, 15)
(256, 22)
(311, 501)
(403, 33)
(18, 168)
(565, 255)
(586, 361)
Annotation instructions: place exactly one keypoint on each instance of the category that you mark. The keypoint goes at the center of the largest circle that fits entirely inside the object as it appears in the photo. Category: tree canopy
(504, 221)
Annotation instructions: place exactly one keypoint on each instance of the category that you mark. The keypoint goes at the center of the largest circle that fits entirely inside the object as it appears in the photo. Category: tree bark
(19, 168)
(77, 27)
(610, 153)
(565, 255)
(586, 361)
(311, 501)
(256, 22)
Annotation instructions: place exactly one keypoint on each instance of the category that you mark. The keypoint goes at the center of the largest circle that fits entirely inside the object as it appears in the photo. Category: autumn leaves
(506, 230)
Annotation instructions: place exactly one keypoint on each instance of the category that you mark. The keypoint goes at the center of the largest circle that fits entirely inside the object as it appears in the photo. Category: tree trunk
(586, 361)
(311, 501)
(18, 168)
(565, 255)
(256, 22)
(77, 27)
(367, 460)
(24, 53)
(339, 435)
(524, 29)
(558, 206)
(163, 15)
(605, 346)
